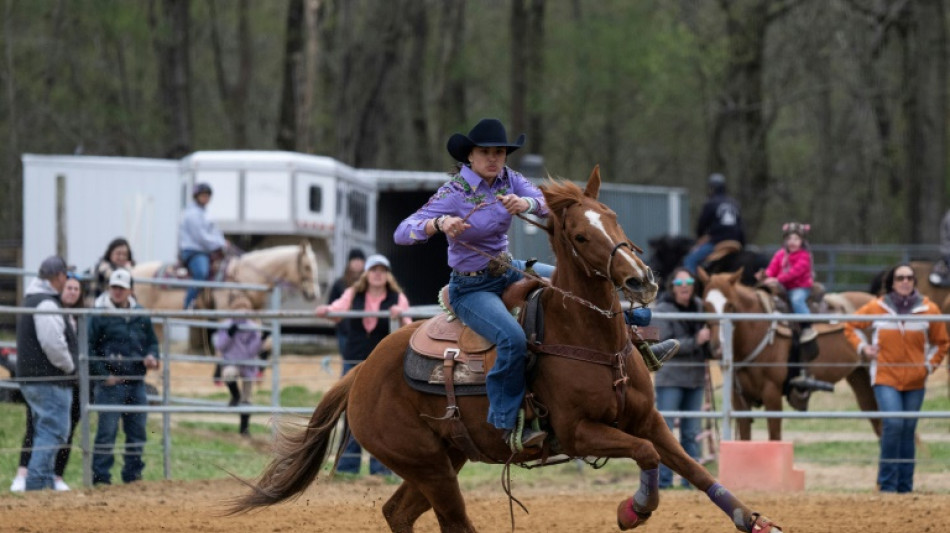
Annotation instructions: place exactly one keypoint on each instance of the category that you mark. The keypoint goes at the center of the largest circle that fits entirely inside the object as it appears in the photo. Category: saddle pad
(419, 370)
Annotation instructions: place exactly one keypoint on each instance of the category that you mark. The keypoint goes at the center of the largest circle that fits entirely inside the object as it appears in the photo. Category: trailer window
(316, 199)
(357, 210)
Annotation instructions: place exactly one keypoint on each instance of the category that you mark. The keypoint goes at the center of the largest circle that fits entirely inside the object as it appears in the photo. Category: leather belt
(472, 274)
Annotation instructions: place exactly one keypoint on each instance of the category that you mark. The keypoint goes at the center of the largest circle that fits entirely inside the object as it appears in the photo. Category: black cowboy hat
(488, 132)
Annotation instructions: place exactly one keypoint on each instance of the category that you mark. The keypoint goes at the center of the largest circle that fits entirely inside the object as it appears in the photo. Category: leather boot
(664, 351)
(805, 382)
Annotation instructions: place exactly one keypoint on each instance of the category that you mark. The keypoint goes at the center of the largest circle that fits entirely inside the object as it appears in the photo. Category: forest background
(832, 112)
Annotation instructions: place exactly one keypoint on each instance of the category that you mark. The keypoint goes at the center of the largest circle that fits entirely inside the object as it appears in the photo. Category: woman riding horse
(597, 394)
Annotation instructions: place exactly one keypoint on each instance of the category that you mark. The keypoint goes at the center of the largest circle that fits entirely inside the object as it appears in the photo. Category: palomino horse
(593, 410)
(761, 351)
(293, 265)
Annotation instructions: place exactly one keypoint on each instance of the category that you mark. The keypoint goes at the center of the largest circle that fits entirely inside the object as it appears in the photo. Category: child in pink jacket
(792, 267)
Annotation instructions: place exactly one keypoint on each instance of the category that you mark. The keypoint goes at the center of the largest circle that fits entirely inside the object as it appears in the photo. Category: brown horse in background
(761, 367)
(594, 410)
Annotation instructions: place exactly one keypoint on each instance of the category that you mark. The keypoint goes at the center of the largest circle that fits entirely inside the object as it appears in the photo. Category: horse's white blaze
(594, 218)
(718, 300)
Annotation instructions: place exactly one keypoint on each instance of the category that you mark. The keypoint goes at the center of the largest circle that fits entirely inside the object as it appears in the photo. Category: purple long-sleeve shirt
(458, 197)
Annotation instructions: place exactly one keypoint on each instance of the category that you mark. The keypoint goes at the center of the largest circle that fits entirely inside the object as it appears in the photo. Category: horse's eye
(580, 238)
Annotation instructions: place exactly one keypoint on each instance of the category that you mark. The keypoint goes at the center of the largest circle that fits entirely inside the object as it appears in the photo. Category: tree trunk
(925, 109)
(171, 38)
(234, 95)
(738, 141)
(293, 50)
(450, 95)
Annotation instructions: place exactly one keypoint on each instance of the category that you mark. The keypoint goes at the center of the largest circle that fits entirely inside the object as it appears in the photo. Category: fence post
(728, 375)
(275, 298)
(84, 387)
(166, 397)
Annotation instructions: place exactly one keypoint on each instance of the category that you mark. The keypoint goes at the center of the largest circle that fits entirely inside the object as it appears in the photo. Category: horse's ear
(593, 183)
(736, 276)
(702, 275)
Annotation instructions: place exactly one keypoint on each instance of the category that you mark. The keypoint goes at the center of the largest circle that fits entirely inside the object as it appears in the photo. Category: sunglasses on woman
(904, 278)
(681, 282)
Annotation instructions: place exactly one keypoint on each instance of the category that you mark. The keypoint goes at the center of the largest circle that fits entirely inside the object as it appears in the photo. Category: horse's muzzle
(644, 291)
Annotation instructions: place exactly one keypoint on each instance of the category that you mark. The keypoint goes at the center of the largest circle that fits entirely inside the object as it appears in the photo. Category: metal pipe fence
(726, 414)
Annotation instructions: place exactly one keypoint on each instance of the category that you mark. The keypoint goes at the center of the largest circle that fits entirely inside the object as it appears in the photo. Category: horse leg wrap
(729, 504)
(647, 497)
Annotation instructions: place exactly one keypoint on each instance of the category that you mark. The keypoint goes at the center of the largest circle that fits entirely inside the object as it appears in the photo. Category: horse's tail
(298, 455)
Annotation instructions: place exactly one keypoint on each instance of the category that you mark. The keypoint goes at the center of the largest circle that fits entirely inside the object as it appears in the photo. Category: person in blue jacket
(121, 350)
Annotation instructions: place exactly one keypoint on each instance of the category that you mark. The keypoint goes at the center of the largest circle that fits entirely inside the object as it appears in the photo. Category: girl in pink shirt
(791, 266)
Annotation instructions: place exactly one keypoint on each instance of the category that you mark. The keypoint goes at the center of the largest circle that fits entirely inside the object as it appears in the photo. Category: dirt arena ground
(354, 506)
(838, 497)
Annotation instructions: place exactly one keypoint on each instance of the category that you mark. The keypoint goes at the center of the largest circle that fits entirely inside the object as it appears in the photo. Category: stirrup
(521, 437)
(809, 383)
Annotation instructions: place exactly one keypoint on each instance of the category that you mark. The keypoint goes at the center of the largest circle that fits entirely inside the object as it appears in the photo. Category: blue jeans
(681, 399)
(50, 405)
(697, 256)
(128, 393)
(199, 266)
(798, 298)
(896, 468)
(353, 454)
(477, 301)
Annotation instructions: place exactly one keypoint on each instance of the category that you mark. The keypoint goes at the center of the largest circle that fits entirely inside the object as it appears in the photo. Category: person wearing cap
(375, 290)
(47, 348)
(720, 220)
(121, 350)
(198, 239)
(355, 265)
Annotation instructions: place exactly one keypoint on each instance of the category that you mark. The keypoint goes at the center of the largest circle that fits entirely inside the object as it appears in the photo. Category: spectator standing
(375, 290)
(681, 386)
(47, 347)
(239, 340)
(355, 263)
(198, 239)
(902, 354)
(71, 298)
(720, 220)
(118, 255)
(121, 350)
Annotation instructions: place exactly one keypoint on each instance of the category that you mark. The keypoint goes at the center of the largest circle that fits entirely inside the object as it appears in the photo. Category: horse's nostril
(634, 284)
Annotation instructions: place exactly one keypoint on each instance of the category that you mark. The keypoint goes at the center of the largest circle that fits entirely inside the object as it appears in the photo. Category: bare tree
(170, 35)
(234, 94)
(925, 109)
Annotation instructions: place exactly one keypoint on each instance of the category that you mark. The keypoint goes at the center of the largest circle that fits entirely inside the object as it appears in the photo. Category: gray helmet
(200, 188)
(716, 182)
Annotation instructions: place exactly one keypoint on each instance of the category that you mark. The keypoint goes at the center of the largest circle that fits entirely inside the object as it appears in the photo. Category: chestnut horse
(761, 367)
(594, 410)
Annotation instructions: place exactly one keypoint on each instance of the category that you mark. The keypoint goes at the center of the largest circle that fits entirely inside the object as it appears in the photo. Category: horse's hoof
(761, 524)
(627, 518)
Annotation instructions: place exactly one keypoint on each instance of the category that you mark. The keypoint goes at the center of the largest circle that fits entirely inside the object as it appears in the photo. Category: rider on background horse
(474, 210)
(719, 221)
(198, 239)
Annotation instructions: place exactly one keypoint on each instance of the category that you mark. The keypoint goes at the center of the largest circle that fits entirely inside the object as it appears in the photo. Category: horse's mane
(285, 248)
(561, 193)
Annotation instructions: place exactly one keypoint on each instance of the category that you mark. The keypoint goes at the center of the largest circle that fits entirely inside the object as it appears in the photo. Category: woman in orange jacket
(902, 354)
